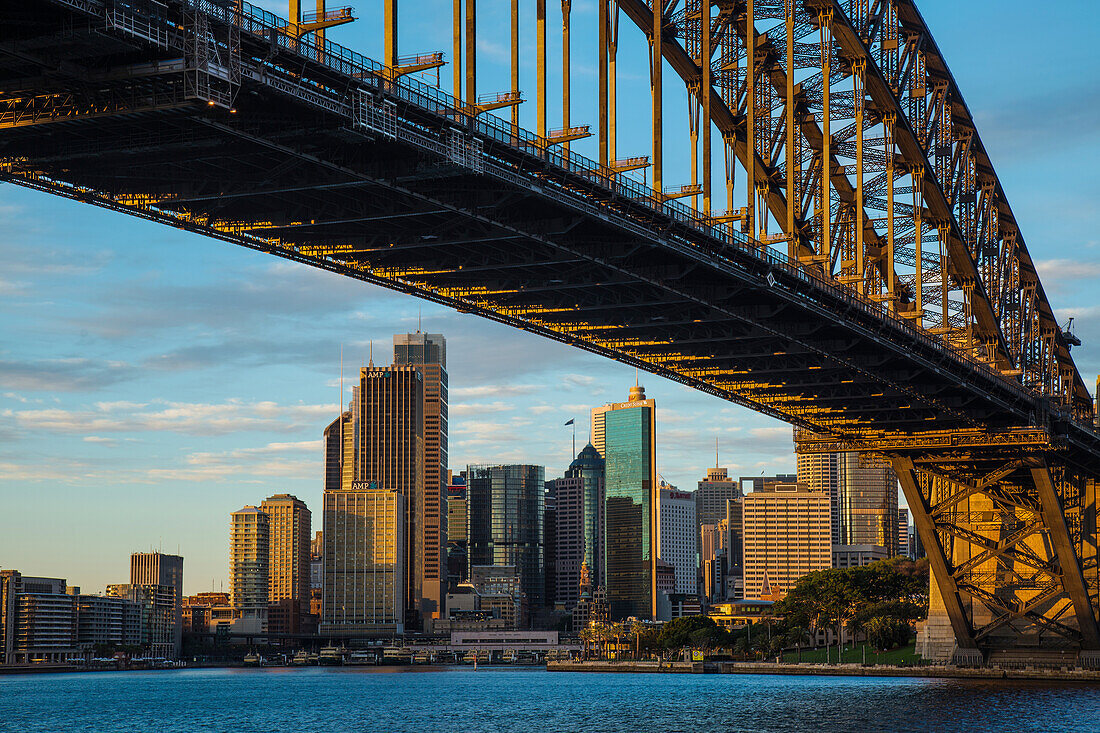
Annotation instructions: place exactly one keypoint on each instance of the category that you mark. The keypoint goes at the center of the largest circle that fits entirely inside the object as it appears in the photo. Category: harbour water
(444, 699)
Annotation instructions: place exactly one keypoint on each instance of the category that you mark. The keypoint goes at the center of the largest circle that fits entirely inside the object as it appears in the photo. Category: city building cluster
(408, 545)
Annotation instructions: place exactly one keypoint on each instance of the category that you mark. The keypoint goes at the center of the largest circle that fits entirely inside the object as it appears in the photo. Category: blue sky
(152, 381)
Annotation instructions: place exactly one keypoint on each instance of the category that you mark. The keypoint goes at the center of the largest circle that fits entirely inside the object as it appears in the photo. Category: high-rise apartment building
(786, 535)
(678, 538)
(38, 619)
(579, 528)
(161, 576)
(289, 547)
(505, 522)
(631, 520)
(427, 352)
(249, 561)
(365, 564)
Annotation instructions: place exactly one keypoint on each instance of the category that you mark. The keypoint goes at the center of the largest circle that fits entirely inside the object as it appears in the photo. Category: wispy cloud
(74, 374)
(201, 419)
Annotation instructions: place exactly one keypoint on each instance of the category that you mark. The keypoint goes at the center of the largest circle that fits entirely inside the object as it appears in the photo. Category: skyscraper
(381, 441)
(631, 519)
(903, 532)
(678, 537)
(249, 561)
(579, 527)
(289, 544)
(365, 564)
(863, 496)
(505, 522)
(786, 535)
(427, 352)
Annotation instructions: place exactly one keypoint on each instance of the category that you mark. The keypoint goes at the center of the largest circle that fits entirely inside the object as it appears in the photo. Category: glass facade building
(505, 522)
(631, 518)
(579, 528)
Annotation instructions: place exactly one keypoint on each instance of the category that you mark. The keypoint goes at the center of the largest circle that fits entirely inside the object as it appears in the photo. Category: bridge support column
(938, 561)
(1073, 581)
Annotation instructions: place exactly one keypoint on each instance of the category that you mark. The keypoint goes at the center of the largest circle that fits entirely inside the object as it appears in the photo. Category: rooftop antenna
(716, 451)
(372, 353)
(419, 309)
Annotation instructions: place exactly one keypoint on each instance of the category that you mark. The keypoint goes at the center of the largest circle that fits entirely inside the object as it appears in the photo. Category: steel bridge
(866, 280)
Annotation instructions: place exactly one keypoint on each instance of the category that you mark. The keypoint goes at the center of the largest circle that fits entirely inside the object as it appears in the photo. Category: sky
(153, 381)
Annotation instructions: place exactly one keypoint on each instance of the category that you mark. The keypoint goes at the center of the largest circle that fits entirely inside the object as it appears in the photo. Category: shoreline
(822, 670)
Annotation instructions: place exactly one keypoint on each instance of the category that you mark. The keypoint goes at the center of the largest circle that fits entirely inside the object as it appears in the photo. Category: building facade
(786, 531)
(427, 353)
(678, 537)
(505, 522)
(365, 544)
(711, 494)
(903, 532)
(579, 528)
(631, 519)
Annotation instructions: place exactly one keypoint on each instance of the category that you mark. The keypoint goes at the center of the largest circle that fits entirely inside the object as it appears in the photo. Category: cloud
(1057, 271)
(480, 408)
(495, 390)
(188, 418)
(100, 440)
(63, 375)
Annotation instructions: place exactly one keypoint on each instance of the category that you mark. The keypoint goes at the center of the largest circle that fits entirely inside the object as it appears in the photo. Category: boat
(421, 658)
(361, 658)
(331, 655)
(253, 660)
(396, 655)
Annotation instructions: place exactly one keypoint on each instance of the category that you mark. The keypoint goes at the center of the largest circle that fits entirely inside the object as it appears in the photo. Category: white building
(677, 536)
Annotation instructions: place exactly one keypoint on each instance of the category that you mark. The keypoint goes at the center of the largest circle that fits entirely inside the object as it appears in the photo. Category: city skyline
(144, 412)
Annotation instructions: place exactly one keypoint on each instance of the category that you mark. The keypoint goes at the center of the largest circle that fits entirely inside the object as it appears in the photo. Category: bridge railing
(618, 183)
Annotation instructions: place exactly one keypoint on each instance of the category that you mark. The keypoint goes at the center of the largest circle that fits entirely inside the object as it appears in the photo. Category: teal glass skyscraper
(630, 506)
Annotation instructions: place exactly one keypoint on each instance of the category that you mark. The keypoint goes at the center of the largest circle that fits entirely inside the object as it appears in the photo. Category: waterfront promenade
(835, 670)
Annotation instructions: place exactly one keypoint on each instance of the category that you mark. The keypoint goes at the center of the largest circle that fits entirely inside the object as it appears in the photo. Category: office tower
(735, 548)
(903, 532)
(365, 564)
(863, 495)
(427, 352)
(549, 544)
(714, 555)
(162, 575)
(384, 445)
(756, 483)
(316, 562)
(579, 528)
(631, 522)
(868, 502)
(289, 546)
(38, 621)
(161, 624)
(505, 522)
(249, 561)
(678, 542)
(821, 472)
(456, 531)
(856, 556)
(786, 535)
(596, 428)
(711, 495)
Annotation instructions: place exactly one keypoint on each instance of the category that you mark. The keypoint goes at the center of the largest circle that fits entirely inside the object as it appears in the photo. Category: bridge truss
(874, 289)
